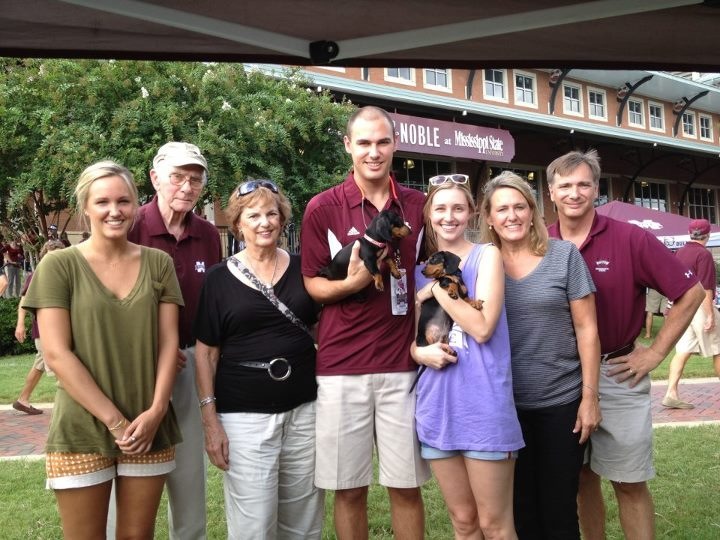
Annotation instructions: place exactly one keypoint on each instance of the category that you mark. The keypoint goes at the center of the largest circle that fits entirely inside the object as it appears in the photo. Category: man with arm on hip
(179, 175)
(364, 367)
(623, 260)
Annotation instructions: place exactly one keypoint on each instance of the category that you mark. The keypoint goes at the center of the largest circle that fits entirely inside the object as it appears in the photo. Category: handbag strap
(269, 294)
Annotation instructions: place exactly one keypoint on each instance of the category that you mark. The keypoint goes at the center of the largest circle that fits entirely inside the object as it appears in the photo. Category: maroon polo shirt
(699, 260)
(623, 260)
(195, 252)
(361, 336)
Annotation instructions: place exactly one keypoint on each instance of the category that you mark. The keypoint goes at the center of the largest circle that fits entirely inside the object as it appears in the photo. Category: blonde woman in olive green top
(108, 311)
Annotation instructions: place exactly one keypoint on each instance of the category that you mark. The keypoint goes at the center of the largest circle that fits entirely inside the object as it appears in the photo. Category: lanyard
(394, 196)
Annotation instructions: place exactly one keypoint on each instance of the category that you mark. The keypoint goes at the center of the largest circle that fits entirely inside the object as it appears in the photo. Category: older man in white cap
(179, 175)
(703, 334)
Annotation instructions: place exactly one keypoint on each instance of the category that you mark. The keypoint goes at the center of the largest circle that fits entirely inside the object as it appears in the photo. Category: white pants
(269, 490)
(186, 484)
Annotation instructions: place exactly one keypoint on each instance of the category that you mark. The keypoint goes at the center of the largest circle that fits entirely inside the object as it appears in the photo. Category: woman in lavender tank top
(465, 415)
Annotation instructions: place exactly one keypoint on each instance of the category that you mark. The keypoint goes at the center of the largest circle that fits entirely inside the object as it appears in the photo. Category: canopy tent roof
(617, 34)
(671, 229)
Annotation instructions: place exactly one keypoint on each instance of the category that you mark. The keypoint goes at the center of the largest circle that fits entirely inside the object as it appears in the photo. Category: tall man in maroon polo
(623, 260)
(364, 367)
(168, 223)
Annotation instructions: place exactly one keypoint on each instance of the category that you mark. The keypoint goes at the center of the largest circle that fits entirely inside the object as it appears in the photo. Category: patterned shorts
(66, 470)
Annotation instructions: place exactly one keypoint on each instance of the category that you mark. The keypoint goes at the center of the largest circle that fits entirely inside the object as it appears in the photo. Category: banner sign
(439, 138)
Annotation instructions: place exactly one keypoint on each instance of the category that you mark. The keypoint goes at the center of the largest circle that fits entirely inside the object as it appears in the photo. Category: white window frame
(581, 105)
(650, 116)
(692, 135)
(641, 111)
(505, 87)
(532, 104)
(400, 80)
(697, 210)
(440, 88)
(592, 90)
(702, 117)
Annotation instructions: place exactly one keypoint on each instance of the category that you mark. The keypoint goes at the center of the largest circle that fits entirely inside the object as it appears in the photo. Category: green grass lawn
(685, 490)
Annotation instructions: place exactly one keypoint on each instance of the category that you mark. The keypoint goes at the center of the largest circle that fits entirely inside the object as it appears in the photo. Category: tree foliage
(58, 116)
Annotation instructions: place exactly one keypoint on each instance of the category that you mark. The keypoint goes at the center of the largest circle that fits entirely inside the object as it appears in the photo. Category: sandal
(27, 409)
(672, 403)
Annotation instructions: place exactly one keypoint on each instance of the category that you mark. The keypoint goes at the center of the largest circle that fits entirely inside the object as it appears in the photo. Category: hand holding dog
(437, 355)
(358, 276)
(425, 293)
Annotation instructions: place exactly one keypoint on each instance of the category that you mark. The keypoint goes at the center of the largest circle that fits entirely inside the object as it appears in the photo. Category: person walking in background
(703, 334)
(655, 304)
(470, 438)
(13, 261)
(364, 367)
(107, 311)
(22, 403)
(168, 223)
(555, 357)
(256, 375)
(623, 260)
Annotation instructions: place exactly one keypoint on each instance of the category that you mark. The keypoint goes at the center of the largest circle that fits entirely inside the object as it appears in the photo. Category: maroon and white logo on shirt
(200, 266)
(602, 265)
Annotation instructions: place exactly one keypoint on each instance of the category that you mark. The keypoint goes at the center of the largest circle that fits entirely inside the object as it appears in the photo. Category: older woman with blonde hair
(256, 375)
(549, 298)
(107, 311)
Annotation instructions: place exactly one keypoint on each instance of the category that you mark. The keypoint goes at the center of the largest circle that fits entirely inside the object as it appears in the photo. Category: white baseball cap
(178, 154)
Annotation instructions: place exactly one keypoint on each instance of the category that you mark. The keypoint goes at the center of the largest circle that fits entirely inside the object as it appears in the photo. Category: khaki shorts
(39, 362)
(355, 411)
(621, 448)
(655, 302)
(66, 470)
(696, 339)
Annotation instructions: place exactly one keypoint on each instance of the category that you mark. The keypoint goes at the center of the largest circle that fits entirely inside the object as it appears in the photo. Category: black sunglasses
(252, 185)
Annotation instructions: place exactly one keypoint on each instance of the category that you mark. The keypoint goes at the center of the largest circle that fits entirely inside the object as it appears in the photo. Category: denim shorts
(428, 452)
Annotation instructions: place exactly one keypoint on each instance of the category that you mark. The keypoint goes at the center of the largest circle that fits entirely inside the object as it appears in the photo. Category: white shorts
(696, 339)
(353, 411)
(621, 448)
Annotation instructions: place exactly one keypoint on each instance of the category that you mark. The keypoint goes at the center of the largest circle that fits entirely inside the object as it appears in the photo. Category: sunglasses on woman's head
(252, 185)
(440, 179)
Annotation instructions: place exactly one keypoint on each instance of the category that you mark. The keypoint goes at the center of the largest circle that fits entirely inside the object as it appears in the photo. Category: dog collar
(374, 242)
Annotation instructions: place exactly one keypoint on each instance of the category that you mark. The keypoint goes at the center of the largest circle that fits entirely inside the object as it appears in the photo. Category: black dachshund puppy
(386, 227)
(434, 324)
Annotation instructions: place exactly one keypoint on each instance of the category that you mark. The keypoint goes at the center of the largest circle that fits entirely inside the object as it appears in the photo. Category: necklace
(272, 279)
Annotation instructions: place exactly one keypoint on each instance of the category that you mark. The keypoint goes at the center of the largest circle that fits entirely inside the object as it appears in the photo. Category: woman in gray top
(550, 303)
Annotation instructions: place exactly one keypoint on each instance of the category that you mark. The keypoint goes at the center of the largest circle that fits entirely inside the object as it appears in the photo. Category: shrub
(8, 317)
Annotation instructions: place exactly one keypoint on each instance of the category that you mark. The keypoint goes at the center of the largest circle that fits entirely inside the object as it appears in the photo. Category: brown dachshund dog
(434, 324)
(386, 227)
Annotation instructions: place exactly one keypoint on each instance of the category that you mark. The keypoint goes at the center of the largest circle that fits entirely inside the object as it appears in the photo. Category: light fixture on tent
(531, 176)
(408, 164)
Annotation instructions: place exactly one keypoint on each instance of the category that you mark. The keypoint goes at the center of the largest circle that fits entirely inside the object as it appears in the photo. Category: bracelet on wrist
(207, 401)
(121, 424)
(593, 391)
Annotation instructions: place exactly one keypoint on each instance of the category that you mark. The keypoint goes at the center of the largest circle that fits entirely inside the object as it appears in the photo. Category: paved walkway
(22, 435)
